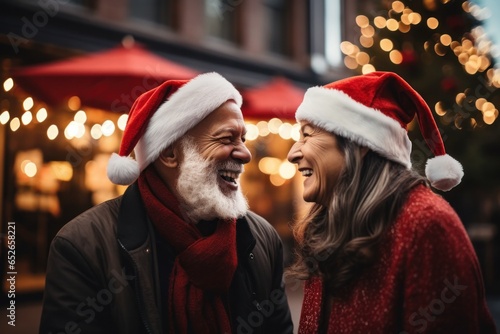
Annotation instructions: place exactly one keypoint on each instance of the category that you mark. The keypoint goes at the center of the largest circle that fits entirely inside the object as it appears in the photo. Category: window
(326, 31)
(333, 30)
(221, 19)
(155, 11)
(278, 31)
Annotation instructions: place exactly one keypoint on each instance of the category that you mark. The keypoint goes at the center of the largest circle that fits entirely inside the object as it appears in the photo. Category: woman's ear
(169, 157)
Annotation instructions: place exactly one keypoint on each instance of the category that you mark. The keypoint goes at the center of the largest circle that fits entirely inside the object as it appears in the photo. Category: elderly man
(179, 252)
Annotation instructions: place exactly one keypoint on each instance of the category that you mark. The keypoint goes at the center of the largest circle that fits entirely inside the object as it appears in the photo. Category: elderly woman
(379, 250)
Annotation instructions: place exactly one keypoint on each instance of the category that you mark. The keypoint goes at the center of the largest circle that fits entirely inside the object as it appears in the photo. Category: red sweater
(426, 280)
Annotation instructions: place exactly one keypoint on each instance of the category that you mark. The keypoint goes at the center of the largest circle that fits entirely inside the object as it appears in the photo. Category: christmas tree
(440, 47)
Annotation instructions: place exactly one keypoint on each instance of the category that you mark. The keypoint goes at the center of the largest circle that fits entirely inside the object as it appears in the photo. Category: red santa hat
(161, 116)
(373, 110)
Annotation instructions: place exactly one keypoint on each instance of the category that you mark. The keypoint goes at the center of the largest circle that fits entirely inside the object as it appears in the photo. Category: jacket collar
(132, 230)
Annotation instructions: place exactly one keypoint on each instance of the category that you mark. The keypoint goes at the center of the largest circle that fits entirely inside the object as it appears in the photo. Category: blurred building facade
(50, 174)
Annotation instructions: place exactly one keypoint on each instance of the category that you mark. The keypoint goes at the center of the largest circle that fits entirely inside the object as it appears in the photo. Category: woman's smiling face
(320, 161)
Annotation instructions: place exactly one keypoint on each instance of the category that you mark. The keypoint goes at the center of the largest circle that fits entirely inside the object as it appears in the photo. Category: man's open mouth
(229, 176)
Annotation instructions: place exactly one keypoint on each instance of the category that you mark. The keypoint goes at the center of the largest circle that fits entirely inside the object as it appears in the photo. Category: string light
(41, 115)
(473, 51)
(52, 132)
(8, 84)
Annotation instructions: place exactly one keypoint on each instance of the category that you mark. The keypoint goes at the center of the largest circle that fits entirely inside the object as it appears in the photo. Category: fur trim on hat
(122, 170)
(190, 104)
(337, 112)
(444, 172)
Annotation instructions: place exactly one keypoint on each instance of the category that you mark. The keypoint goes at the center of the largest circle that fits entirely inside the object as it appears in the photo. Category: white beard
(201, 197)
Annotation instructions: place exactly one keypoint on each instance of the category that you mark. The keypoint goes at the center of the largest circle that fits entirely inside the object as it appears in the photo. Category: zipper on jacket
(137, 288)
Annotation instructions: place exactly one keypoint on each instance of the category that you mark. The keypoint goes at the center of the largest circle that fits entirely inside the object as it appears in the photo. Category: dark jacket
(103, 275)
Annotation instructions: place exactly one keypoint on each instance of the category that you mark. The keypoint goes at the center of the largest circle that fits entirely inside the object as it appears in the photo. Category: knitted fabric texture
(426, 280)
(203, 268)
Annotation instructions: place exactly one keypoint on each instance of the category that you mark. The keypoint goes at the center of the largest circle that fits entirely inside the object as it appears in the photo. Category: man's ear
(169, 157)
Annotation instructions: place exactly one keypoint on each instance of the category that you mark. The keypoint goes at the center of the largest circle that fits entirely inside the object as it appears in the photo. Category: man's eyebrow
(230, 129)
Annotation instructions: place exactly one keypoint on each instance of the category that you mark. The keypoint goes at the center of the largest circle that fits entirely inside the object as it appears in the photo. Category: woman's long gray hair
(337, 242)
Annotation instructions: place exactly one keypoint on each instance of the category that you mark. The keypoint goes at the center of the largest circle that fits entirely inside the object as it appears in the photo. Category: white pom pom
(444, 172)
(122, 170)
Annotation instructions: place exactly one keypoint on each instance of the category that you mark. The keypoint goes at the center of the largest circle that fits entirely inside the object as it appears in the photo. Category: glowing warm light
(439, 49)
(274, 125)
(490, 118)
(96, 131)
(368, 68)
(4, 117)
(80, 117)
(252, 132)
(122, 122)
(459, 99)
(347, 48)
(471, 67)
(439, 109)
(473, 122)
(287, 170)
(415, 18)
(480, 103)
(41, 115)
(405, 18)
(27, 117)
(15, 123)
(368, 31)
(285, 131)
(74, 103)
(488, 107)
(52, 132)
(467, 45)
(404, 28)
(430, 4)
(269, 165)
(432, 23)
(445, 39)
(379, 22)
(71, 130)
(28, 103)
(108, 128)
(276, 180)
(362, 21)
(62, 170)
(466, 6)
(463, 58)
(366, 42)
(386, 44)
(392, 24)
(362, 58)
(263, 128)
(80, 130)
(30, 169)
(8, 84)
(398, 6)
(396, 57)
(350, 63)
(296, 132)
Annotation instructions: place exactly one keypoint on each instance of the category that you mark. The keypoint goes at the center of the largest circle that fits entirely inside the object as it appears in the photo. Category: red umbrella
(109, 80)
(276, 98)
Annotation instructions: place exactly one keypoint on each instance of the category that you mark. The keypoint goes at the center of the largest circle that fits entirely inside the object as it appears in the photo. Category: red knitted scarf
(203, 267)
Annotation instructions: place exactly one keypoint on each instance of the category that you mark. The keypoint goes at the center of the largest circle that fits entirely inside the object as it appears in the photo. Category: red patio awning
(109, 80)
(276, 98)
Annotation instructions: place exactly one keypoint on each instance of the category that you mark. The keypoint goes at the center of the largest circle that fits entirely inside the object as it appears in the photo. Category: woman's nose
(294, 155)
